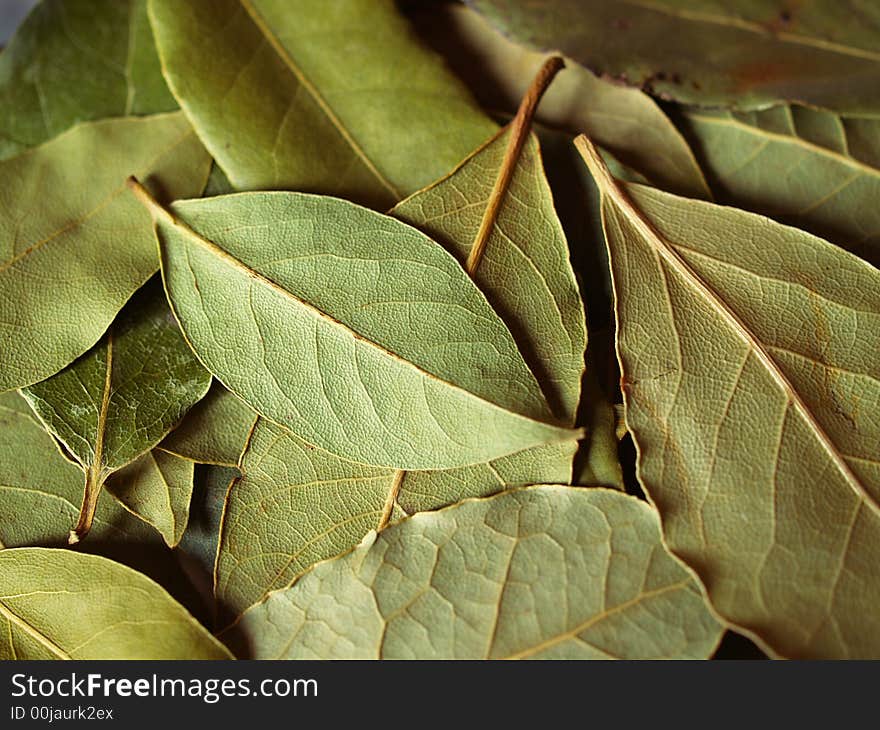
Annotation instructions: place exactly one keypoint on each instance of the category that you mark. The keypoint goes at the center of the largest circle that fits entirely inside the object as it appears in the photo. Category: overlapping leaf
(752, 389)
(354, 330)
(739, 53)
(48, 83)
(120, 399)
(544, 572)
(214, 431)
(808, 167)
(58, 604)
(624, 121)
(278, 111)
(157, 487)
(63, 273)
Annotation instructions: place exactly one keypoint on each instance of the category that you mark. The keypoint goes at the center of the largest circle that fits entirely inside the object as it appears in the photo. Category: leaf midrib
(32, 631)
(312, 90)
(793, 140)
(611, 190)
(755, 28)
(238, 265)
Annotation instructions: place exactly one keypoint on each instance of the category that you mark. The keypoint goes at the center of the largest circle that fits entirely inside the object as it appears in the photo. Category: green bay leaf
(739, 53)
(64, 274)
(538, 573)
(214, 431)
(751, 385)
(79, 61)
(40, 492)
(352, 329)
(157, 487)
(335, 113)
(806, 167)
(58, 604)
(116, 402)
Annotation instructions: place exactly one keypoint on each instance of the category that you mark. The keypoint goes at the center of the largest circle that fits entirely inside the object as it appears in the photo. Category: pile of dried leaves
(351, 416)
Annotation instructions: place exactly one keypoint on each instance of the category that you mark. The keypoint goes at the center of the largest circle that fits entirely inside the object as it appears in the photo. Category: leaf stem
(519, 132)
(149, 202)
(91, 492)
(391, 499)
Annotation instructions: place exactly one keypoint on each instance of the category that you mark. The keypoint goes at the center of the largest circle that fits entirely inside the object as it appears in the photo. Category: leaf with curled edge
(544, 572)
(48, 82)
(624, 121)
(355, 331)
(63, 273)
(344, 121)
(116, 402)
(59, 604)
(739, 53)
(157, 487)
(214, 431)
(751, 384)
(806, 167)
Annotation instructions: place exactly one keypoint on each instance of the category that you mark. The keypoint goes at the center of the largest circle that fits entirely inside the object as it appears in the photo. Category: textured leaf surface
(63, 273)
(157, 487)
(744, 54)
(58, 604)
(623, 120)
(214, 431)
(297, 505)
(807, 167)
(752, 389)
(345, 122)
(398, 358)
(545, 572)
(40, 492)
(119, 400)
(48, 83)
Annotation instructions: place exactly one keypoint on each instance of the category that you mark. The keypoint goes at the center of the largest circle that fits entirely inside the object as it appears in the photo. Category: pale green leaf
(752, 388)
(77, 61)
(806, 167)
(297, 505)
(64, 273)
(624, 121)
(157, 487)
(738, 53)
(354, 330)
(214, 431)
(58, 604)
(539, 573)
(303, 95)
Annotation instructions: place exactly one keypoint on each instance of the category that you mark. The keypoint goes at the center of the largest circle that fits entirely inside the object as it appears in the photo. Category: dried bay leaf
(40, 491)
(48, 82)
(63, 273)
(120, 399)
(335, 113)
(741, 54)
(807, 167)
(405, 365)
(58, 604)
(296, 505)
(748, 352)
(214, 431)
(623, 120)
(157, 487)
(543, 572)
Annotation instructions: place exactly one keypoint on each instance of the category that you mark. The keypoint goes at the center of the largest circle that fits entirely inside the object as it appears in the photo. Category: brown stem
(94, 483)
(519, 132)
(391, 499)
